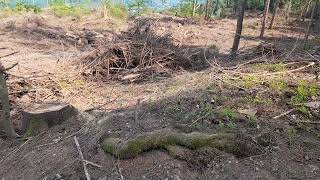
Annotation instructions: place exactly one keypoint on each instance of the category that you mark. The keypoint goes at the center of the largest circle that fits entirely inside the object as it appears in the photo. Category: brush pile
(136, 54)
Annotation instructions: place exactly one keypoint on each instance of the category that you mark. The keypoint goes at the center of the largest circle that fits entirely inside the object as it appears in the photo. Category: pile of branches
(35, 28)
(138, 53)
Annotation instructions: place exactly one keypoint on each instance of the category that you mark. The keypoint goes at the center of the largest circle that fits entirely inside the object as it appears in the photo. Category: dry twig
(283, 114)
(10, 54)
(82, 158)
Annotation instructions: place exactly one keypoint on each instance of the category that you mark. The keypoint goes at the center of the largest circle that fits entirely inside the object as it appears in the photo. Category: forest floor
(269, 92)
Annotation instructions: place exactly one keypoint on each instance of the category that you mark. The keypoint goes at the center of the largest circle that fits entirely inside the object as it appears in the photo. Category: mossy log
(239, 145)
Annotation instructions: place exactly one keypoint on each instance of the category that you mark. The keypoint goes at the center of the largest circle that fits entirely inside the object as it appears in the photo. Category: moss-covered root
(238, 145)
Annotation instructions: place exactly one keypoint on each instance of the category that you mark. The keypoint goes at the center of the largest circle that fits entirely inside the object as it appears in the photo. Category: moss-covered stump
(239, 145)
(42, 116)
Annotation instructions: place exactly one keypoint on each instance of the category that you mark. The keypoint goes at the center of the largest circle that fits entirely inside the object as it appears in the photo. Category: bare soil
(239, 96)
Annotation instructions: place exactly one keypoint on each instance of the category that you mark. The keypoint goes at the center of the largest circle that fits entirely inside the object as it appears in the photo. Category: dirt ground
(244, 96)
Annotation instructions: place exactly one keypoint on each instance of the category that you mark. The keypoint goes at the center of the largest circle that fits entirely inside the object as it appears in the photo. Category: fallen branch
(237, 144)
(283, 114)
(310, 122)
(275, 73)
(92, 163)
(82, 158)
(10, 67)
(9, 54)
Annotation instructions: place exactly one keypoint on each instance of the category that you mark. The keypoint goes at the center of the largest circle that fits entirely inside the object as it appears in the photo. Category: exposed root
(239, 145)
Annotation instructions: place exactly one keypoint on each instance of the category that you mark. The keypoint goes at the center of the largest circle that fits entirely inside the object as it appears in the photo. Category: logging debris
(139, 51)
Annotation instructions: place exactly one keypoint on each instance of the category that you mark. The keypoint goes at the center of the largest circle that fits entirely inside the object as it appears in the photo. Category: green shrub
(4, 4)
(116, 10)
(73, 11)
(303, 92)
(137, 7)
(21, 6)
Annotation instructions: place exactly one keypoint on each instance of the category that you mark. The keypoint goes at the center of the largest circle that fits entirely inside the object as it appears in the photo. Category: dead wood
(237, 144)
(84, 163)
(10, 54)
(139, 51)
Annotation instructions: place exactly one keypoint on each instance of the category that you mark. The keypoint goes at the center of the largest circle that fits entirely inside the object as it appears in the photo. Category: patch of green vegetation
(182, 10)
(291, 132)
(252, 121)
(303, 109)
(118, 11)
(229, 125)
(21, 6)
(189, 109)
(59, 9)
(250, 81)
(255, 100)
(278, 85)
(304, 91)
(229, 113)
(278, 67)
(35, 126)
(115, 10)
(7, 12)
(138, 7)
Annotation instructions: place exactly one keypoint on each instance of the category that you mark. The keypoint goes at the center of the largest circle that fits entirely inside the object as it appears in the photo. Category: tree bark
(306, 11)
(239, 28)
(275, 9)
(288, 10)
(206, 11)
(194, 4)
(5, 116)
(265, 15)
(310, 23)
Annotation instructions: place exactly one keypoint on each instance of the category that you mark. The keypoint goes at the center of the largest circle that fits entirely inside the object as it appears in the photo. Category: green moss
(35, 126)
(164, 139)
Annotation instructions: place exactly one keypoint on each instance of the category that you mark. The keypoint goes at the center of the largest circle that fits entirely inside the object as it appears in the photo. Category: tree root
(236, 144)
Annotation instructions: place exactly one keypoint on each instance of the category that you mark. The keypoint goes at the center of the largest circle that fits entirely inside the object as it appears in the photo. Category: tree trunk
(194, 5)
(306, 11)
(275, 9)
(206, 11)
(265, 15)
(288, 10)
(310, 23)
(5, 116)
(239, 28)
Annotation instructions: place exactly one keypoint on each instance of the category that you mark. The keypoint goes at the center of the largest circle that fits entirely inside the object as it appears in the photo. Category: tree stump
(43, 116)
